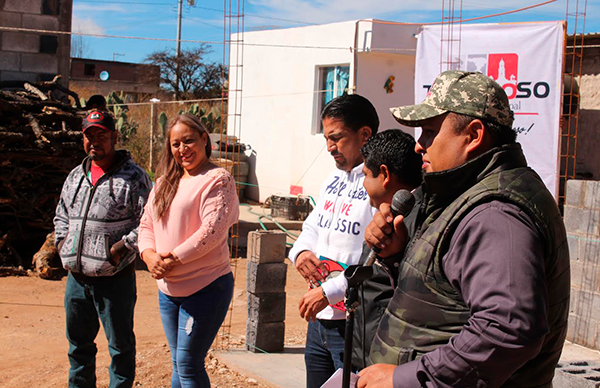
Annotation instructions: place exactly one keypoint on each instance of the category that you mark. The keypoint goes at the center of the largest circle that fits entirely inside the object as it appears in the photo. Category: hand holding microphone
(384, 234)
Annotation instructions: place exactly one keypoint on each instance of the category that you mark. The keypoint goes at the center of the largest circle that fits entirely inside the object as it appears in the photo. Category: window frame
(319, 94)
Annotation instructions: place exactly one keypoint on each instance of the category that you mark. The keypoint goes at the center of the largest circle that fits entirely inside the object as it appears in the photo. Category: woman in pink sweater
(183, 240)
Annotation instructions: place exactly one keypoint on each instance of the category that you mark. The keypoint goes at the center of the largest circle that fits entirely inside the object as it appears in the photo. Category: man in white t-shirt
(333, 234)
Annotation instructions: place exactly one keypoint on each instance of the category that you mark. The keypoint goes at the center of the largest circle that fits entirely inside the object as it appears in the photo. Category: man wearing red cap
(96, 226)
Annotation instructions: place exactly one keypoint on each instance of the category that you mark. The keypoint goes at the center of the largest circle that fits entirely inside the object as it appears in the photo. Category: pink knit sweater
(195, 229)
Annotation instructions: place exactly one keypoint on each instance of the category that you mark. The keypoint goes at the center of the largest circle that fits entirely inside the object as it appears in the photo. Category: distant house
(104, 77)
(35, 57)
(288, 77)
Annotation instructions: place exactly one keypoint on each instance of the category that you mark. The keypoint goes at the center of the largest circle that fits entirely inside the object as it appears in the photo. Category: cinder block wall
(582, 221)
(35, 57)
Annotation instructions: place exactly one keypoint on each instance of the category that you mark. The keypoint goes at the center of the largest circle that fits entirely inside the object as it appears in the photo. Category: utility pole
(152, 124)
(178, 48)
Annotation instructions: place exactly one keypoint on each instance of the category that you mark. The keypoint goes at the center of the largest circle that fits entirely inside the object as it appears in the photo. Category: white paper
(336, 380)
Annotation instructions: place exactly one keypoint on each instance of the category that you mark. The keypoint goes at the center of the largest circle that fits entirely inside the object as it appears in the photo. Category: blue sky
(204, 21)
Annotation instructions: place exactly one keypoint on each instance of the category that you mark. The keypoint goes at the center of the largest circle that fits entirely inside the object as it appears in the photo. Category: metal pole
(152, 121)
(178, 49)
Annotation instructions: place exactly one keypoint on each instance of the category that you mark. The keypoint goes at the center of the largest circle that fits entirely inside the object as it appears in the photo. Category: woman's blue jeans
(191, 324)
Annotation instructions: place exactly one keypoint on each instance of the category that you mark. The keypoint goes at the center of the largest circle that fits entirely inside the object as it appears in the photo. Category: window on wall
(51, 7)
(333, 82)
(89, 69)
(48, 44)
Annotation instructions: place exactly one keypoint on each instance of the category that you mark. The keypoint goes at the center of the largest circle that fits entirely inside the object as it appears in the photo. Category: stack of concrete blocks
(35, 57)
(582, 221)
(265, 283)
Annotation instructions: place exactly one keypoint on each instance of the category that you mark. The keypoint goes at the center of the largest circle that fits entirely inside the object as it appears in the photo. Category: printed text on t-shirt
(337, 187)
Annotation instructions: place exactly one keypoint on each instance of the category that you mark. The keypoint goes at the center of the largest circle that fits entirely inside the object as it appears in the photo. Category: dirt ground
(33, 347)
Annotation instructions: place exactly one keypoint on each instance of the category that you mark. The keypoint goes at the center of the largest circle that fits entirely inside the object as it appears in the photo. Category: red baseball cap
(100, 119)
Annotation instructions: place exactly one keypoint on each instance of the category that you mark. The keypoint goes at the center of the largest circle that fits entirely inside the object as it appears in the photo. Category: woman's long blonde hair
(168, 170)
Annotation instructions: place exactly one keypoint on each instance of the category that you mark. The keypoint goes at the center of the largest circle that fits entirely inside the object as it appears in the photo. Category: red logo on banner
(504, 68)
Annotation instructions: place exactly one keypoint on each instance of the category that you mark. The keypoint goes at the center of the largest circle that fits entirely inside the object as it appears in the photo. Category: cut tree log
(47, 262)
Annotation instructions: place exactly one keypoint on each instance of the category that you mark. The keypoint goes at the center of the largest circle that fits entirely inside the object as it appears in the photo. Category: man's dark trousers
(110, 300)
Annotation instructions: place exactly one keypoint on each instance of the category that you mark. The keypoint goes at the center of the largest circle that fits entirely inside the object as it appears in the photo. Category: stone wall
(582, 221)
(35, 57)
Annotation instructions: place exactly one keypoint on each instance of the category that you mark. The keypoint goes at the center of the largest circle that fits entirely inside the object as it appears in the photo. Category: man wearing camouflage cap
(483, 292)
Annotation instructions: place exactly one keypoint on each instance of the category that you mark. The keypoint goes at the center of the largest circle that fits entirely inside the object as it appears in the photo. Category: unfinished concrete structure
(582, 221)
(35, 57)
(588, 157)
(582, 206)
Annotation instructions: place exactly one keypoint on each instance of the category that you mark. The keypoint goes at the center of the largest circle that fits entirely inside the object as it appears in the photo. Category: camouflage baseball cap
(468, 93)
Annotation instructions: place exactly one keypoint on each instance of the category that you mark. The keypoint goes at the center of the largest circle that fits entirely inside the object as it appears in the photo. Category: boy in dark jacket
(391, 164)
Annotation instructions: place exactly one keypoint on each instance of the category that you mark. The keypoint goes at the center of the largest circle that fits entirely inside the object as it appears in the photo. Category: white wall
(374, 68)
(392, 52)
(279, 104)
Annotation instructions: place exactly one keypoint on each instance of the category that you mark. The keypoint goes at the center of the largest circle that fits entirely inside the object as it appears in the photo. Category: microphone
(402, 203)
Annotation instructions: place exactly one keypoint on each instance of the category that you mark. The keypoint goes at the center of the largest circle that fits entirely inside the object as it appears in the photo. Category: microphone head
(402, 202)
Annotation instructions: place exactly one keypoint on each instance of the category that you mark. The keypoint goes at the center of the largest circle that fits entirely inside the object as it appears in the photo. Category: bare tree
(80, 47)
(197, 78)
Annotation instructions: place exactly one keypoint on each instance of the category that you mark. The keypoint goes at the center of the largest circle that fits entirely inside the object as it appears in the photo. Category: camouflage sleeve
(141, 190)
(495, 262)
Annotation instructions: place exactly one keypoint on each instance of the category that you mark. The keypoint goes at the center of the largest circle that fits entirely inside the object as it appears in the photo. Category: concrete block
(582, 330)
(575, 193)
(573, 242)
(266, 307)
(585, 276)
(10, 61)
(17, 76)
(266, 278)
(19, 42)
(264, 337)
(576, 274)
(592, 195)
(40, 22)
(26, 6)
(571, 328)
(577, 374)
(266, 246)
(582, 221)
(10, 19)
(586, 305)
(589, 250)
(39, 63)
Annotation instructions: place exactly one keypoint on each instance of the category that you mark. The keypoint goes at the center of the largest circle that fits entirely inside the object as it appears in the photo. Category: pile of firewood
(40, 143)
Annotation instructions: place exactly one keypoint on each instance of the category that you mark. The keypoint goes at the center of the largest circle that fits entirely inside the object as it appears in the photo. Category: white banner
(526, 59)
